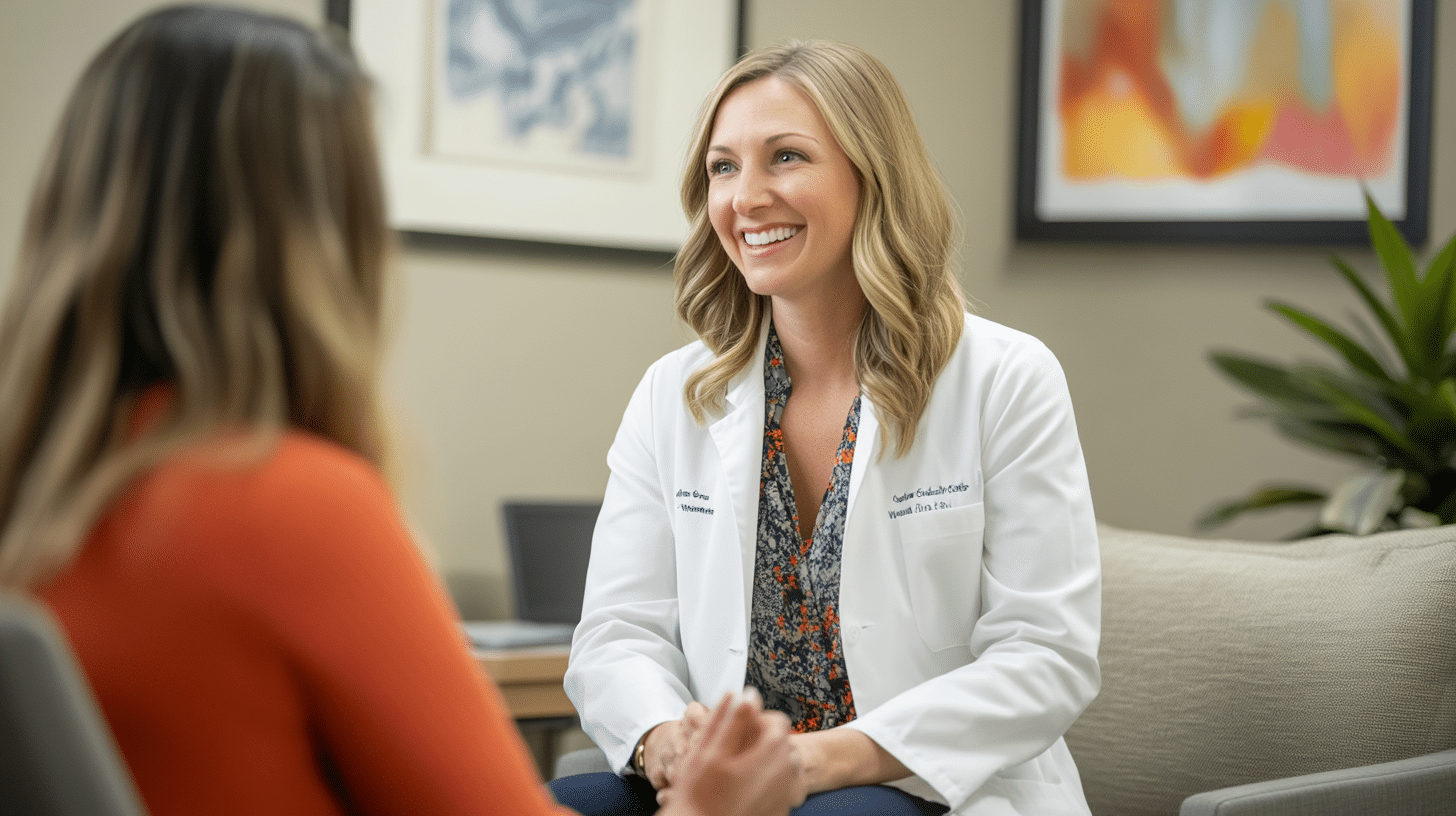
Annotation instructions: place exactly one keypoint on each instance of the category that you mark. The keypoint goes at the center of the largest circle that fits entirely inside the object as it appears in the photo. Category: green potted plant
(1390, 402)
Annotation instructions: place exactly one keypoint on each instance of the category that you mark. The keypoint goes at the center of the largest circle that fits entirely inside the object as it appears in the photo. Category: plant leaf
(1341, 437)
(1403, 394)
(1447, 392)
(1360, 503)
(1392, 328)
(1373, 395)
(1431, 420)
(1411, 518)
(1359, 405)
(1400, 270)
(1269, 380)
(1353, 352)
(1443, 266)
(1261, 499)
(1438, 293)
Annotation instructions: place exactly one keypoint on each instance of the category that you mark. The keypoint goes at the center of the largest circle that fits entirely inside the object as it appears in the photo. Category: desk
(530, 678)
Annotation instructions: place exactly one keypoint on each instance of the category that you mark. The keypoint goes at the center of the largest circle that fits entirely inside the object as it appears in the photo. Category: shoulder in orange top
(264, 637)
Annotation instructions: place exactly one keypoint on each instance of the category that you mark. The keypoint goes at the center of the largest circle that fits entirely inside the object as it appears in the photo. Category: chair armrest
(1420, 786)
(580, 761)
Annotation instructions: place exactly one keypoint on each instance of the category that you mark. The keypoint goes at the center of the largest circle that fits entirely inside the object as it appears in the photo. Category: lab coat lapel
(738, 436)
(865, 453)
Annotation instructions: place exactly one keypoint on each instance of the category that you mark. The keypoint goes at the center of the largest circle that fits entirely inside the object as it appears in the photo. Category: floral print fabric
(795, 657)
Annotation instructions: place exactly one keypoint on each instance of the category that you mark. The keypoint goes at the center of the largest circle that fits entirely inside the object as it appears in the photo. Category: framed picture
(560, 121)
(1260, 121)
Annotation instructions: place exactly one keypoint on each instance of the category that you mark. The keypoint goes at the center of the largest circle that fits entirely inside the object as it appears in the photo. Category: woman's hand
(741, 763)
(667, 742)
(842, 757)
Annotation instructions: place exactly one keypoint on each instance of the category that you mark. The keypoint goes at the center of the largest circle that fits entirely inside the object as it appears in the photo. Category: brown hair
(210, 215)
(902, 243)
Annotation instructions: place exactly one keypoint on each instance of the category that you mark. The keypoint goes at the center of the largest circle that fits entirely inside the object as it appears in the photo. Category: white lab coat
(969, 590)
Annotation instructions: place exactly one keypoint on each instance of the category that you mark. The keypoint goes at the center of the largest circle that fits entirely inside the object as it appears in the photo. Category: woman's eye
(719, 167)
(787, 156)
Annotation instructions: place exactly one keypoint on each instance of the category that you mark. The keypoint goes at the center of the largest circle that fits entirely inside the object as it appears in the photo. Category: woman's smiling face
(782, 195)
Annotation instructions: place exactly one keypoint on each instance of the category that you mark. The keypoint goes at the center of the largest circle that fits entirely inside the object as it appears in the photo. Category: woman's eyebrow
(790, 134)
(777, 137)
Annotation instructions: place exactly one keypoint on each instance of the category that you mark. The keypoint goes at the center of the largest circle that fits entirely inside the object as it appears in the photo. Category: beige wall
(511, 367)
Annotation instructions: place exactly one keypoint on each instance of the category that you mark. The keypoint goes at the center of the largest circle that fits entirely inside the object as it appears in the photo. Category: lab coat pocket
(942, 550)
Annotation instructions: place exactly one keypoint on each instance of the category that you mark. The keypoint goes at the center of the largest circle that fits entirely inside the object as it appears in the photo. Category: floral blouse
(795, 657)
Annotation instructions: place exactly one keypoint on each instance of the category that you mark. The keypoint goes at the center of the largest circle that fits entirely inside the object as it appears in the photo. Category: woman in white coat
(849, 494)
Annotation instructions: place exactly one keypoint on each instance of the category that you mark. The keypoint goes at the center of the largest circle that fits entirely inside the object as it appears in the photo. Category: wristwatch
(639, 757)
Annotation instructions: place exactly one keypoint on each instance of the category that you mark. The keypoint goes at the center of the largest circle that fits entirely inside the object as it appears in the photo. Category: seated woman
(190, 451)
(849, 493)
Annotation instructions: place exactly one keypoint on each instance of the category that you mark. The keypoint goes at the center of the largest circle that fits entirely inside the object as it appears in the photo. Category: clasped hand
(735, 760)
(821, 760)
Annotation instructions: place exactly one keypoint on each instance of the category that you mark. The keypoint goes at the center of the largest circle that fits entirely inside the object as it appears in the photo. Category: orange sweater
(264, 638)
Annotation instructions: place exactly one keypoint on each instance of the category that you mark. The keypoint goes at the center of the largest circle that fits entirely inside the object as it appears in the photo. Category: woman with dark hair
(191, 453)
(850, 493)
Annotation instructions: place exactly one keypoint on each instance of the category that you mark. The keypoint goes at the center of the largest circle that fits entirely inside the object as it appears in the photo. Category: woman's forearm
(842, 757)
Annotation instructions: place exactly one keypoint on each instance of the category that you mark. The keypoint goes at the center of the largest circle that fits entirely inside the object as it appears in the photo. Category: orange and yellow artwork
(1151, 90)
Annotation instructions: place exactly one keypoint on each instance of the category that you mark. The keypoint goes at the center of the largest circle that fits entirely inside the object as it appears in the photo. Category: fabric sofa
(1269, 679)
(1231, 670)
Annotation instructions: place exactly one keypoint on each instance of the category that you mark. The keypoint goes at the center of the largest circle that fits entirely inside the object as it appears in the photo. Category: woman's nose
(753, 191)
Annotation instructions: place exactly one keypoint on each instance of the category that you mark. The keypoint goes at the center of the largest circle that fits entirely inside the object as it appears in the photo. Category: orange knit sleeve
(406, 720)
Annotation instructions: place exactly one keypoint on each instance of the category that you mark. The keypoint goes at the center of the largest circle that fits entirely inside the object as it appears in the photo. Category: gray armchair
(1258, 679)
(57, 757)
(1420, 786)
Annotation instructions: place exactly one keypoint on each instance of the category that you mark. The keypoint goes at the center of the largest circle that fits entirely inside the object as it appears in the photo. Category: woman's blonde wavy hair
(210, 215)
(903, 238)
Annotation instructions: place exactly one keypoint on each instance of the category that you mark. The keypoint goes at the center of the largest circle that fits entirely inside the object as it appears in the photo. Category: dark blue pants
(606, 794)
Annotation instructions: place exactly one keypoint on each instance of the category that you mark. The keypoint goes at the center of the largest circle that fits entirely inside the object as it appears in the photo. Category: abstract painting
(539, 81)
(1253, 120)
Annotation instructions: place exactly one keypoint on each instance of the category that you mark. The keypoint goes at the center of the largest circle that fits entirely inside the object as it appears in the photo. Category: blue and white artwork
(553, 82)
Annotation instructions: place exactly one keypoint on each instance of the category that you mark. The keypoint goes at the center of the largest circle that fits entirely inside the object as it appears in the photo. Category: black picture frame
(1031, 226)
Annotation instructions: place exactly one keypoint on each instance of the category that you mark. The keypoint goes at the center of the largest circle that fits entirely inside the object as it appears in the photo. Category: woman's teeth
(770, 236)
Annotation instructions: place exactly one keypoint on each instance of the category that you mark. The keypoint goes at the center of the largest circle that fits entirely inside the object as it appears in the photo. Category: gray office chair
(57, 757)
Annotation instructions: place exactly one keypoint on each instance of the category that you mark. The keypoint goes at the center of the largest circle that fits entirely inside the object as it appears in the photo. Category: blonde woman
(190, 451)
(849, 493)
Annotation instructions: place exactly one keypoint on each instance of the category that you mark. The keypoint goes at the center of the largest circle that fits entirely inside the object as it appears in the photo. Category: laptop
(549, 545)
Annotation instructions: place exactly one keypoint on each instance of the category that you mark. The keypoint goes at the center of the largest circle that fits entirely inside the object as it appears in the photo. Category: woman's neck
(818, 340)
